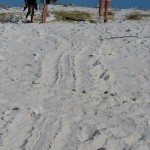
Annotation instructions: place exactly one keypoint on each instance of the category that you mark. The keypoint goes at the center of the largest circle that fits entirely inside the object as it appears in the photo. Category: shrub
(10, 17)
(71, 16)
(136, 16)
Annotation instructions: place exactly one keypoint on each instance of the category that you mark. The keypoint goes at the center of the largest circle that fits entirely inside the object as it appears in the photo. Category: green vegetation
(10, 17)
(111, 13)
(38, 19)
(10, 13)
(71, 16)
(136, 16)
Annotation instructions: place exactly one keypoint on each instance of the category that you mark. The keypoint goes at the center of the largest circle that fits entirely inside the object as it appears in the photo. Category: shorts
(47, 1)
(30, 2)
(106, 0)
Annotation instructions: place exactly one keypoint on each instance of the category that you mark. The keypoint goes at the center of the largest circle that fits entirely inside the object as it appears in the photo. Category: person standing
(101, 6)
(44, 4)
(31, 5)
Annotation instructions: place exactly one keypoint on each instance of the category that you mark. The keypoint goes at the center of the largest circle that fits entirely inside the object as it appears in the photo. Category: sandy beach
(75, 86)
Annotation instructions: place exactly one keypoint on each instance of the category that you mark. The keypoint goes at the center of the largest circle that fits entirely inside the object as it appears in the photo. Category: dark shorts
(47, 1)
(30, 2)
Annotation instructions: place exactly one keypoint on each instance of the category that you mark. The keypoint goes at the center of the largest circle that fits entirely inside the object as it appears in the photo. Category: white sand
(75, 86)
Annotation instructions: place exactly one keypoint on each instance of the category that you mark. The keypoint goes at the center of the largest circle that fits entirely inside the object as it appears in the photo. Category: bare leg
(32, 14)
(107, 3)
(101, 6)
(29, 11)
(44, 13)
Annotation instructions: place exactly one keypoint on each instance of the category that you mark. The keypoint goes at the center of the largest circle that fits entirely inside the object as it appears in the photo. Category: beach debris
(106, 77)
(101, 149)
(106, 92)
(33, 82)
(97, 63)
(91, 55)
(134, 99)
(16, 108)
(36, 56)
(84, 91)
(103, 74)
